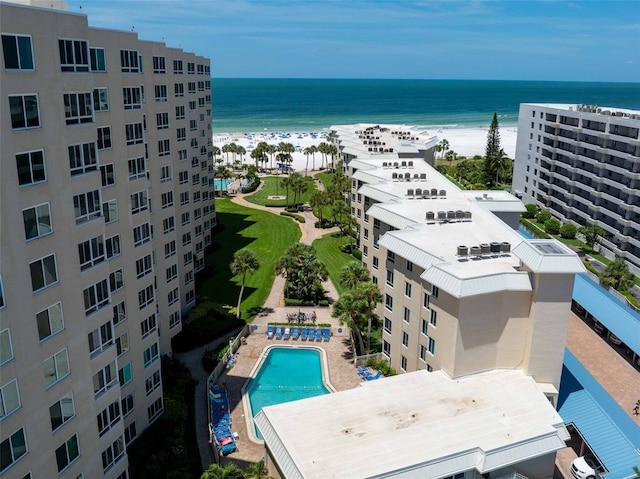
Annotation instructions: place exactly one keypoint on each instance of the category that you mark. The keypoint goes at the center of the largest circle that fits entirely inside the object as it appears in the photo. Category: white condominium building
(582, 163)
(106, 207)
(463, 291)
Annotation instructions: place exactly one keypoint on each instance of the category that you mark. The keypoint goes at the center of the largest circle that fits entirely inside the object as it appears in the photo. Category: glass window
(24, 111)
(31, 168)
(18, 52)
(6, 349)
(78, 108)
(50, 321)
(37, 221)
(62, 411)
(74, 55)
(67, 453)
(83, 158)
(104, 137)
(43, 272)
(150, 355)
(97, 58)
(87, 206)
(100, 99)
(124, 374)
(108, 417)
(56, 367)
(104, 379)
(9, 398)
(12, 449)
(130, 61)
(108, 175)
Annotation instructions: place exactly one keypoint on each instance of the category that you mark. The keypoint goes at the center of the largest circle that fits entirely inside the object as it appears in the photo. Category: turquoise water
(241, 105)
(525, 234)
(221, 184)
(287, 374)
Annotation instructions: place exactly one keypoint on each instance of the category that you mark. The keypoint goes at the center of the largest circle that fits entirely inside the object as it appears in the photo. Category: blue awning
(617, 318)
(611, 433)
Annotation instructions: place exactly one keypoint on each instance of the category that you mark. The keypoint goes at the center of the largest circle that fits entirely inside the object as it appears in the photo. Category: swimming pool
(285, 374)
(221, 184)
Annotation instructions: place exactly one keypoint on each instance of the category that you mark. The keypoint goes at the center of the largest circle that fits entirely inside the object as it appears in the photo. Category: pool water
(286, 374)
(221, 184)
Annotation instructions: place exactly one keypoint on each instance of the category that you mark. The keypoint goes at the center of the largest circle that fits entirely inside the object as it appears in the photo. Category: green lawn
(272, 187)
(328, 251)
(264, 233)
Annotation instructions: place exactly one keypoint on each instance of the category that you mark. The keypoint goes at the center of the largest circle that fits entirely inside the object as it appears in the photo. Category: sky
(579, 40)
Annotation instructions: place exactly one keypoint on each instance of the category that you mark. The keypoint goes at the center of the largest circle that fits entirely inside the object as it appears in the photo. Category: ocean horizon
(281, 104)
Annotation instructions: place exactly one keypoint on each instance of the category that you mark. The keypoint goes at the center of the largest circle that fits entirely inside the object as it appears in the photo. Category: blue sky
(585, 40)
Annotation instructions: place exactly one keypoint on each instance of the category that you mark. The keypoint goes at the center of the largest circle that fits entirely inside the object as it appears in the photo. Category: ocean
(242, 105)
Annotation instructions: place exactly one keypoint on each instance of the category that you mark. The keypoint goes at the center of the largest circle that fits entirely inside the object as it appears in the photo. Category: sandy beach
(464, 141)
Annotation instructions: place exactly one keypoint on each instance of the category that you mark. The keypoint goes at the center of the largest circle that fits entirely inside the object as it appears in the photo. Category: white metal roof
(411, 426)
(386, 213)
(548, 256)
(409, 251)
(379, 192)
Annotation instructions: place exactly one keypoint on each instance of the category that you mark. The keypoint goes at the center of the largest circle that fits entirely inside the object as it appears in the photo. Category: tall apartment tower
(106, 207)
(582, 163)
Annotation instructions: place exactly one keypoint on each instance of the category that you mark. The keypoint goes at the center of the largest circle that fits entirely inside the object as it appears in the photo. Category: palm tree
(299, 186)
(371, 295)
(270, 150)
(257, 470)
(318, 200)
(240, 150)
(314, 150)
(617, 275)
(244, 261)
(226, 149)
(353, 274)
(351, 310)
(451, 156)
(230, 471)
(442, 147)
(307, 151)
(286, 182)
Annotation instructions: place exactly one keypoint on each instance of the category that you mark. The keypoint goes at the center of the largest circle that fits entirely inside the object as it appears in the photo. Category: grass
(266, 234)
(328, 251)
(272, 187)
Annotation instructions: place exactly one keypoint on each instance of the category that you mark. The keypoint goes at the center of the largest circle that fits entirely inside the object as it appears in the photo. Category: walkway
(342, 374)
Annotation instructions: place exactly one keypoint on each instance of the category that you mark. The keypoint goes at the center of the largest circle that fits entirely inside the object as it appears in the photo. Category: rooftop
(505, 416)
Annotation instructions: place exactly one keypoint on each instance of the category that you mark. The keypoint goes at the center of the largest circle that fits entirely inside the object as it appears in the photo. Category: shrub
(325, 223)
(297, 302)
(323, 302)
(568, 231)
(531, 211)
(382, 366)
(212, 356)
(552, 226)
(357, 254)
(543, 216)
(298, 218)
(251, 187)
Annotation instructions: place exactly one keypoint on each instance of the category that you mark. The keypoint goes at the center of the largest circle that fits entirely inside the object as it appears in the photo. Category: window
(100, 99)
(139, 202)
(155, 410)
(405, 339)
(132, 97)
(130, 61)
(124, 374)
(423, 352)
(144, 266)
(110, 211)
(391, 256)
(375, 262)
(141, 234)
(181, 134)
(180, 113)
(388, 302)
(153, 382)
(96, 297)
(74, 55)
(186, 238)
(387, 325)
(100, 339)
(194, 143)
(109, 417)
(145, 296)
(386, 348)
(82, 158)
(174, 319)
(192, 105)
(44, 272)
(431, 346)
(150, 355)
(188, 277)
(433, 318)
(409, 267)
(50, 321)
(108, 175)
(134, 133)
(78, 108)
(425, 325)
(173, 297)
(137, 168)
(112, 454)
(186, 218)
(129, 435)
(184, 196)
(127, 405)
(87, 206)
(91, 252)
(12, 449)
(104, 379)
(434, 291)
(192, 87)
(56, 367)
(403, 363)
(159, 65)
(149, 325)
(407, 289)
(24, 111)
(18, 52)
(161, 92)
(165, 174)
(178, 90)
(104, 137)
(171, 272)
(31, 167)
(425, 301)
(406, 316)
(116, 281)
(37, 221)
(122, 344)
(167, 199)
(191, 68)
(97, 59)
(168, 224)
(62, 411)
(177, 67)
(6, 350)
(164, 147)
(119, 313)
(9, 398)
(162, 121)
(390, 278)
(169, 249)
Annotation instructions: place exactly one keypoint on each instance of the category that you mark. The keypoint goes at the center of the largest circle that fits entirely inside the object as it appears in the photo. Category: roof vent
(459, 214)
(463, 250)
(423, 176)
(451, 215)
(434, 192)
(431, 216)
(418, 191)
(475, 251)
(467, 215)
(443, 192)
(505, 247)
(486, 248)
(442, 216)
(410, 192)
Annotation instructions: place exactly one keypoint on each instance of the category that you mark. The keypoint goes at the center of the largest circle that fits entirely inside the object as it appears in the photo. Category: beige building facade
(106, 207)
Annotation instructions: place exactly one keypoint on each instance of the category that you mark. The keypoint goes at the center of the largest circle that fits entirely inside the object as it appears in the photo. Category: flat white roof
(422, 424)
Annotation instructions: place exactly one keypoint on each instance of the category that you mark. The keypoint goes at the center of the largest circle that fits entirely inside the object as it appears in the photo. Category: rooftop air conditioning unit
(463, 250)
(430, 216)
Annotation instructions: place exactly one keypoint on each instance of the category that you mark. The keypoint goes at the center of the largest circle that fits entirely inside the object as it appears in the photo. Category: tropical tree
(351, 310)
(568, 231)
(532, 210)
(257, 470)
(591, 235)
(258, 153)
(303, 273)
(353, 274)
(244, 262)
(371, 295)
(230, 471)
(442, 147)
(318, 200)
(493, 150)
(450, 156)
(299, 186)
(240, 151)
(215, 150)
(286, 182)
(617, 275)
(269, 150)
(226, 149)
(307, 151)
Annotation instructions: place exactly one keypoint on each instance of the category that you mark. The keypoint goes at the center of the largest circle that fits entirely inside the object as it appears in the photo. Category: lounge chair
(294, 334)
(269, 332)
(278, 333)
(373, 378)
(366, 373)
(362, 369)
(303, 334)
(318, 334)
(326, 334)
(311, 332)
(286, 333)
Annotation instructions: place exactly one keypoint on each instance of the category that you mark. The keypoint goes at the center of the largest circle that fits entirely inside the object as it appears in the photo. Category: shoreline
(467, 141)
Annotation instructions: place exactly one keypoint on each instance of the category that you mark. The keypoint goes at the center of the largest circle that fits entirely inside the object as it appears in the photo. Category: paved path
(342, 375)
